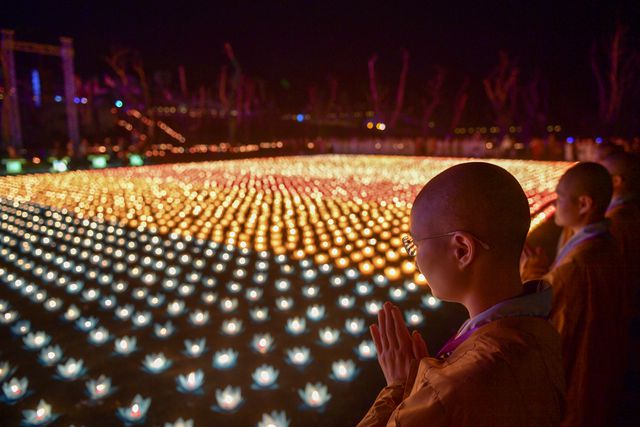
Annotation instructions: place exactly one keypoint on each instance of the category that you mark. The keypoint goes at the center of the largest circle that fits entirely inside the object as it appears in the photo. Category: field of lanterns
(233, 292)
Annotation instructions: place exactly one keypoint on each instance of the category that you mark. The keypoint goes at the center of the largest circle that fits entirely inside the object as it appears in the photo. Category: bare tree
(614, 75)
(534, 96)
(501, 89)
(373, 85)
(402, 82)
(460, 103)
(432, 98)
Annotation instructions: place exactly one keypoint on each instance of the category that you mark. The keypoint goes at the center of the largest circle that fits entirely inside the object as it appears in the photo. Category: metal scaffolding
(12, 132)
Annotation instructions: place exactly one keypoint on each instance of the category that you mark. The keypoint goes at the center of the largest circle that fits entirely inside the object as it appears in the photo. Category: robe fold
(508, 372)
(590, 311)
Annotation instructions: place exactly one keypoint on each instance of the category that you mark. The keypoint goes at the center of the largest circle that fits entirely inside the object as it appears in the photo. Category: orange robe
(589, 313)
(507, 373)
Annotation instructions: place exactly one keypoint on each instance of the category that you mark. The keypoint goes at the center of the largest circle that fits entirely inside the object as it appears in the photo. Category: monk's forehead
(431, 212)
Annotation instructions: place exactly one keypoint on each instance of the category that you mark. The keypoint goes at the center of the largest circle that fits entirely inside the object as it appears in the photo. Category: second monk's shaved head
(477, 197)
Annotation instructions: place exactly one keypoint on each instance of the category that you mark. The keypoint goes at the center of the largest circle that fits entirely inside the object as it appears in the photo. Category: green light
(136, 160)
(13, 165)
(99, 161)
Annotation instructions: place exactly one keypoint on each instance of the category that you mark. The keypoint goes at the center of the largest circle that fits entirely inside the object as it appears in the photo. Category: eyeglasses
(411, 248)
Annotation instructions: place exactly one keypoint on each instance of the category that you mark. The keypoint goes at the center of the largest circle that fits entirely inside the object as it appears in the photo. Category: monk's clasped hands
(396, 347)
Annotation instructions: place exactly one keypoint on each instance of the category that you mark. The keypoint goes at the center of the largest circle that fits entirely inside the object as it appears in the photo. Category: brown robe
(589, 313)
(507, 373)
(625, 227)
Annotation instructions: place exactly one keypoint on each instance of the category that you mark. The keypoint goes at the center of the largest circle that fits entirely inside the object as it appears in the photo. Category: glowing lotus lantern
(99, 336)
(346, 301)
(136, 412)
(274, 419)
(8, 317)
(175, 308)
(125, 345)
(190, 383)
(15, 389)
(71, 369)
(41, 416)
(413, 317)
(265, 376)
(431, 302)
(363, 288)
(21, 327)
(232, 326)
(180, 423)
(354, 326)
(299, 356)
(50, 355)
(225, 359)
(259, 314)
(195, 348)
(199, 317)
(163, 331)
(141, 319)
(99, 388)
(227, 305)
(373, 307)
(262, 343)
(284, 303)
(228, 399)
(328, 336)
(366, 350)
(316, 312)
(314, 395)
(156, 363)
(36, 340)
(124, 312)
(343, 370)
(296, 325)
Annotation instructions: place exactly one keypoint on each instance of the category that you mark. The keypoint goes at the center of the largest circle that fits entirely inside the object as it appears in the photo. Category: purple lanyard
(454, 342)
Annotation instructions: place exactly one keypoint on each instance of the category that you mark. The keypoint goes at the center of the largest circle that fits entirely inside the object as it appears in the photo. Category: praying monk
(589, 297)
(504, 366)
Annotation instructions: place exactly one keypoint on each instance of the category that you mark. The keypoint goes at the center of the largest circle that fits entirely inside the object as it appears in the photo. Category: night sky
(304, 41)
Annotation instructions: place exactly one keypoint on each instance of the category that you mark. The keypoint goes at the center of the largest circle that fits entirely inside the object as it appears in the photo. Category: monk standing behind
(589, 296)
(503, 367)
(624, 213)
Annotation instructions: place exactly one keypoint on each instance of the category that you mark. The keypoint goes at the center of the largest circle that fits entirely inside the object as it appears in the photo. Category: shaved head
(626, 166)
(479, 198)
(590, 179)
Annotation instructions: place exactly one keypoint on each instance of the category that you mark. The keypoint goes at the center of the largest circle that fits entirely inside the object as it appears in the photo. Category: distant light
(13, 165)
(136, 160)
(99, 161)
(570, 140)
(118, 103)
(59, 165)
(381, 126)
(598, 140)
(300, 117)
(84, 100)
(35, 85)
(76, 100)
(57, 98)
(369, 125)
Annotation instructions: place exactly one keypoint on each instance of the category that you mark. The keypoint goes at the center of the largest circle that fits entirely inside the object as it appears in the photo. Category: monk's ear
(617, 181)
(585, 204)
(463, 249)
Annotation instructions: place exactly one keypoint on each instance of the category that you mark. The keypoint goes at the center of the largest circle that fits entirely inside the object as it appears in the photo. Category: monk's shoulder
(594, 252)
(502, 346)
